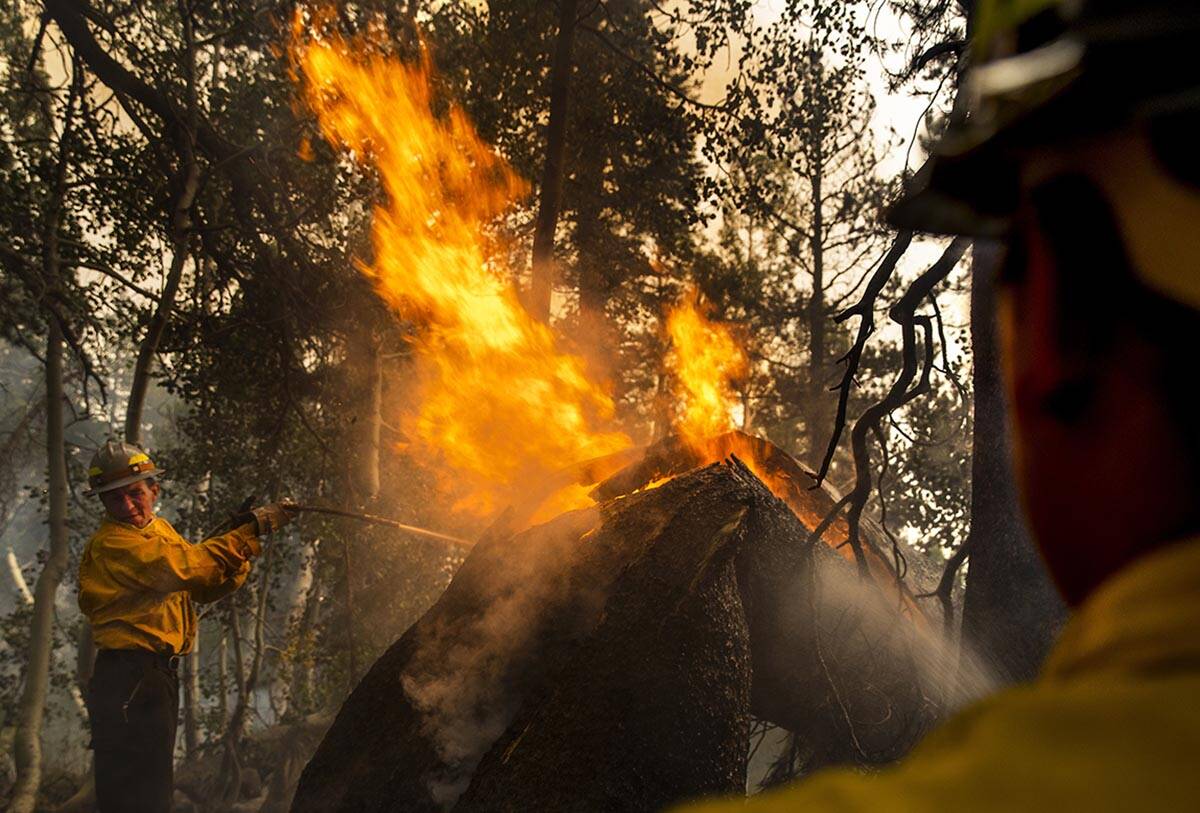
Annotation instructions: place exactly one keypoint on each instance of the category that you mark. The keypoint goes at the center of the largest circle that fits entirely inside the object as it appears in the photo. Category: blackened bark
(673, 669)
(1011, 611)
(600, 661)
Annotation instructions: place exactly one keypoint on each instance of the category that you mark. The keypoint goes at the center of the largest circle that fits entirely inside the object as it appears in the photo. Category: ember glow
(497, 405)
(707, 361)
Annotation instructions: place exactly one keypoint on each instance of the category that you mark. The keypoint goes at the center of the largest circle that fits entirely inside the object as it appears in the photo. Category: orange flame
(707, 361)
(497, 403)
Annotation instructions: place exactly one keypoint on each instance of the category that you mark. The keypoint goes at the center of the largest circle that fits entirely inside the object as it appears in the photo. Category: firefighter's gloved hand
(271, 517)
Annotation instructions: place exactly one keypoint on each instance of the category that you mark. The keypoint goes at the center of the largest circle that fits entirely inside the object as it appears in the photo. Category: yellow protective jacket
(137, 585)
(1113, 722)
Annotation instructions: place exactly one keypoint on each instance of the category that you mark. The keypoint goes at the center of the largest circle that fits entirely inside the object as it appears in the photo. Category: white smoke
(460, 677)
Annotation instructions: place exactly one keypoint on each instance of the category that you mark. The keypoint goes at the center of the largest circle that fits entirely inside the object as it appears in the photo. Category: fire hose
(377, 520)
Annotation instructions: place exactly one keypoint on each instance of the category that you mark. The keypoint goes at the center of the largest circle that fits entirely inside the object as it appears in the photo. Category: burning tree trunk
(610, 658)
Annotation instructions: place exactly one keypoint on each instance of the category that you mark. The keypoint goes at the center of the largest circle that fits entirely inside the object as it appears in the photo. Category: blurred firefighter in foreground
(1080, 152)
(138, 580)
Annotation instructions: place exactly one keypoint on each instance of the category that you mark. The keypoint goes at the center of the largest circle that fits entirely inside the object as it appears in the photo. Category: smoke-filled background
(421, 259)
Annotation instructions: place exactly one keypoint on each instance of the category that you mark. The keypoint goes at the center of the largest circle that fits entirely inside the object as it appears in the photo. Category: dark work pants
(133, 703)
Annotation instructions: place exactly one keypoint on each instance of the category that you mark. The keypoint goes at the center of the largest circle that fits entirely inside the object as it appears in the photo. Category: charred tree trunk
(1011, 611)
(507, 629)
(553, 169)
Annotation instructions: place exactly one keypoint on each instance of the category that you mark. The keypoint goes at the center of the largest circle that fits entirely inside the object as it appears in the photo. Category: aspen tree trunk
(191, 662)
(223, 677)
(27, 747)
(191, 698)
(285, 666)
(26, 596)
(550, 196)
(304, 678)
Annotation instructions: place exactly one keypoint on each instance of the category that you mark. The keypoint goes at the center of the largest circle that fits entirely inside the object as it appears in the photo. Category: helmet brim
(122, 481)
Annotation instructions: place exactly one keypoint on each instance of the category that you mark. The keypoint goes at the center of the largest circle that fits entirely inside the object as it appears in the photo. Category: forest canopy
(429, 260)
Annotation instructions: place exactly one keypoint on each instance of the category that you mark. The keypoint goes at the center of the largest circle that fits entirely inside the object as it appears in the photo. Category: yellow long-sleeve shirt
(1113, 723)
(137, 585)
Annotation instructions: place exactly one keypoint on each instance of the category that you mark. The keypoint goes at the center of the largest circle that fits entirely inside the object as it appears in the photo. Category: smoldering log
(409, 735)
(610, 658)
(858, 671)
(656, 698)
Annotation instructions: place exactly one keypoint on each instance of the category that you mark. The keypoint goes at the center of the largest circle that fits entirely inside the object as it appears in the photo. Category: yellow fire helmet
(117, 464)
(1046, 79)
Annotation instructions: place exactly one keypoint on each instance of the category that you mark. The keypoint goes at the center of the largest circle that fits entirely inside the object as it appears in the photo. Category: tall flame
(707, 361)
(497, 403)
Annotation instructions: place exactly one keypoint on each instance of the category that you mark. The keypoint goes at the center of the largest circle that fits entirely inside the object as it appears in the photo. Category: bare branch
(865, 310)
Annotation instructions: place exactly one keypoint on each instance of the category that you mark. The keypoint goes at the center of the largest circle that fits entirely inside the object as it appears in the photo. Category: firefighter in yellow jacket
(1081, 152)
(138, 581)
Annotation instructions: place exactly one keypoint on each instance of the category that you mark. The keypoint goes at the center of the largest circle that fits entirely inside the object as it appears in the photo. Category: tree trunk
(348, 598)
(191, 700)
(283, 677)
(27, 746)
(550, 196)
(26, 596)
(231, 768)
(1011, 611)
(817, 424)
(188, 180)
(369, 467)
(304, 679)
(85, 655)
(593, 270)
(223, 677)
(180, 227)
